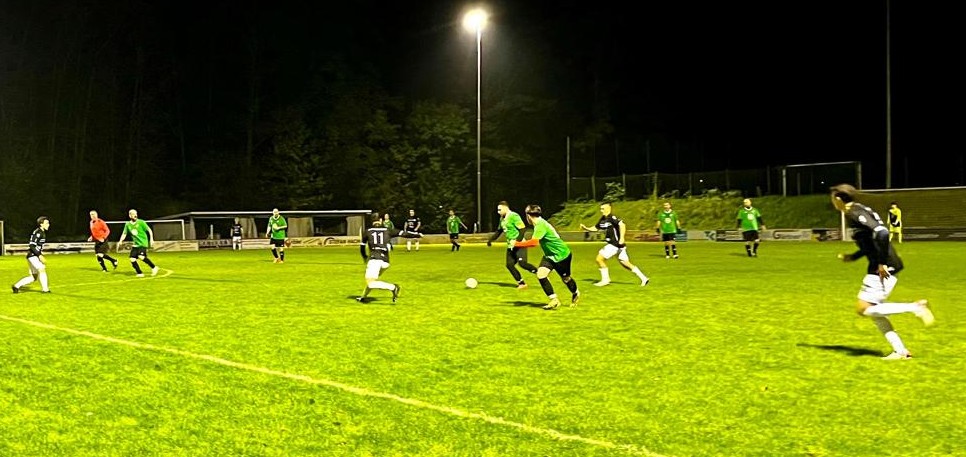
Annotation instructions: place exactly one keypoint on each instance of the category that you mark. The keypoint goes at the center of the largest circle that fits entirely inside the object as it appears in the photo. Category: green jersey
(138, 231)
(553, 247)
(453, 224)
(277, 226)
(748, 219)
(510, 225)
(668, 221)
(389, 225)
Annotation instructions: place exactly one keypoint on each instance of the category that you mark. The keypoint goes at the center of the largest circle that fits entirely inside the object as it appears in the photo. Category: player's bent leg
(924, 313)
(543, 272)
(604, 277)
(899, 351)
(380, 284)
(861, 306)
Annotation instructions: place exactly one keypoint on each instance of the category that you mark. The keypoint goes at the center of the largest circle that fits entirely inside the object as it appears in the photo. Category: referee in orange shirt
(99, 234)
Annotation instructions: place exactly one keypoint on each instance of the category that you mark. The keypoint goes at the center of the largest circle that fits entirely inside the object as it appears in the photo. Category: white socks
(884, 326)
(381, 285)
(885, 309)
(42, 276)
(640, 274)
(604, 275)
(23, 282)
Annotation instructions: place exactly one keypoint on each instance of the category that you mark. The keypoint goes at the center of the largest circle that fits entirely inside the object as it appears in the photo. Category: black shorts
(516, 255)
(454, 236)
(750, 235)
(277, 242)
(668, 236)
(139, 252)
(562, 267)
(408, 234)
(102, 247)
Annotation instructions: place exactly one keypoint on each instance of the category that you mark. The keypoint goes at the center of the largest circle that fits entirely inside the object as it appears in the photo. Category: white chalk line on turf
(165, 273)
(638, 450)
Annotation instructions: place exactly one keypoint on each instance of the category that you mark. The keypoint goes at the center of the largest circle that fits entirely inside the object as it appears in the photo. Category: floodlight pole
(479, 123)
(474, 21)
(888, 96)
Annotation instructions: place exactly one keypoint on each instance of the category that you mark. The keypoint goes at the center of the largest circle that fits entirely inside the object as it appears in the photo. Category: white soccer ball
(471, 283)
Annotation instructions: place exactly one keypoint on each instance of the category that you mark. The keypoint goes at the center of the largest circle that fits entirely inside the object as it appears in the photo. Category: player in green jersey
(276, 233)
(453, 224)
(556, 256)
(512, 225)
(751, 225)
(142, 237)
(667, 226)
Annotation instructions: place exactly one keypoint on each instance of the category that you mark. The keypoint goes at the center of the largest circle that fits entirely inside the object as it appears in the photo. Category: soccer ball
(471, 283)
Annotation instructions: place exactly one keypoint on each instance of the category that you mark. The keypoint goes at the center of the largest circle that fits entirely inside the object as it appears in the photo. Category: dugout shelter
(200, 225)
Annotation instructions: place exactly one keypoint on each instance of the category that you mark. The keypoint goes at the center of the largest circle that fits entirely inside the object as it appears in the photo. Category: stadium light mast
(888, 97)
(474, 21)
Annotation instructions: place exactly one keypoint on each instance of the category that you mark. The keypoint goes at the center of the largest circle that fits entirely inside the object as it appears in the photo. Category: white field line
(361, 391)
(164, 274)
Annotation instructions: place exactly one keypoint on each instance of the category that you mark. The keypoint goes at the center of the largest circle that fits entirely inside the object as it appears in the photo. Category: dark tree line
(139, 105)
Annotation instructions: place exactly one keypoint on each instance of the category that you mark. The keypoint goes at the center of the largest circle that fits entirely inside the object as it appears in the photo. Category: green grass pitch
(226, 353)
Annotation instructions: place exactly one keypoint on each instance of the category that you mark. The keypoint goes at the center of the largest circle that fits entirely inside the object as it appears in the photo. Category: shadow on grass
(197, 279)
(54, 293)
(847, 350)
(362, 266)
(368, 300)
(527, 303)
(498, 284)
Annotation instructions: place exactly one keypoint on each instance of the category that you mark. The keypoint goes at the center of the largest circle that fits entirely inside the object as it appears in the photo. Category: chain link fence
(786, 180)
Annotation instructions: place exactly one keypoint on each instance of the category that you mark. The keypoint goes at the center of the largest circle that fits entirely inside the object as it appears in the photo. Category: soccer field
(226, 353)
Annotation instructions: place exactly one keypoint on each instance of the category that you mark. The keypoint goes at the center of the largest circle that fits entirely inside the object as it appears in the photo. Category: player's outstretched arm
(495, 235)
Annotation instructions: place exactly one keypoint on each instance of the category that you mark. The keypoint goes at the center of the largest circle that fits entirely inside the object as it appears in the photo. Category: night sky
(747, 84)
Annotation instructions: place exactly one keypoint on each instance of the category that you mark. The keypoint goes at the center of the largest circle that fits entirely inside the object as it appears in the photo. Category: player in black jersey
(236, 235)
(614, 230)
(411, 230)
(376, 238)
(872, 237)
(36, 262)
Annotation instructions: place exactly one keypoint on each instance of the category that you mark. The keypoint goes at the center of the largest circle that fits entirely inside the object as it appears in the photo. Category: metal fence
(785, 180)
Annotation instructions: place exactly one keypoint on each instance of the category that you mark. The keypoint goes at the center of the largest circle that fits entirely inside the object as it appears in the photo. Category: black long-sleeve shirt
(872, 238)
(37, 241)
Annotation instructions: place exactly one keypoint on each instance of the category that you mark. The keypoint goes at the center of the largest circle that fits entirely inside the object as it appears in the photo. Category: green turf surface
(226, 353)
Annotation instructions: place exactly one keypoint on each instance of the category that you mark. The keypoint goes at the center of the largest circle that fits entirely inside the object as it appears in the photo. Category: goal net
(930, 213)
(817, 178)
(933, 207)
(164, 229)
